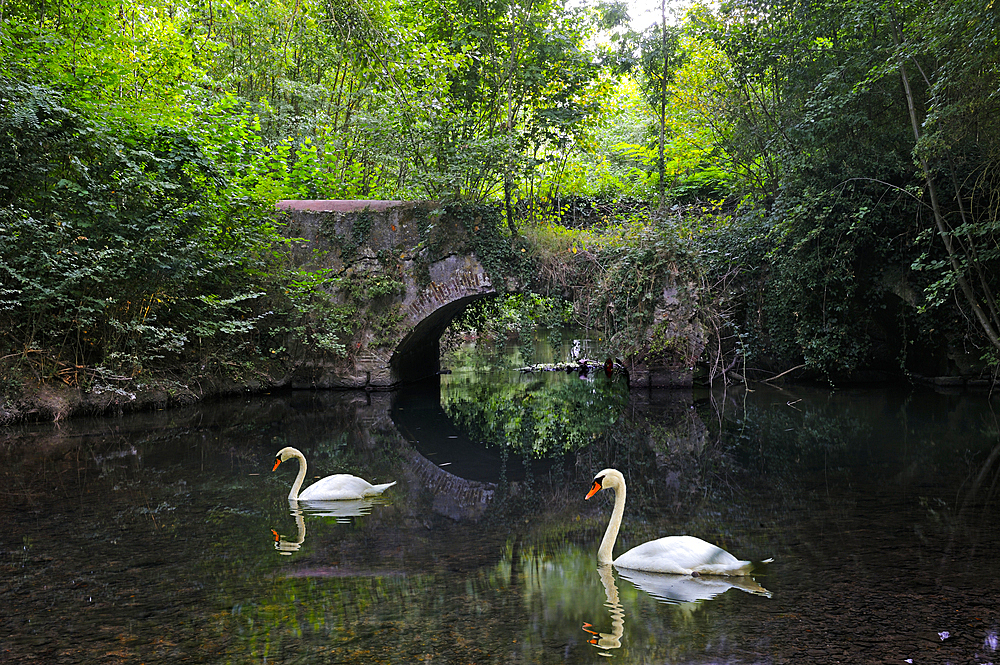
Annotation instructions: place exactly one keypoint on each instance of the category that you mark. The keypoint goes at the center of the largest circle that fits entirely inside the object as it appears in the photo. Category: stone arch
(431, 258)
(457, 282)
(417, 355)
(436, 263)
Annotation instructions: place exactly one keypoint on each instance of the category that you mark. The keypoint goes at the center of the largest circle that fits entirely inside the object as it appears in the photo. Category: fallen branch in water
(784, 373)
(583, 365)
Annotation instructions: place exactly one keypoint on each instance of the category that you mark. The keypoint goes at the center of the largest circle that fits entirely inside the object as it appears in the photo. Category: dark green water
(150, 538)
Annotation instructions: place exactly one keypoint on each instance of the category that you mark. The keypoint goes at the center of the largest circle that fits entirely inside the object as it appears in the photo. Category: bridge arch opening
(417, 356)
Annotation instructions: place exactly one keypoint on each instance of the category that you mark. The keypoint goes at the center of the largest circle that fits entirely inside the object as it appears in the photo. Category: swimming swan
(339, 487)
(679, 555)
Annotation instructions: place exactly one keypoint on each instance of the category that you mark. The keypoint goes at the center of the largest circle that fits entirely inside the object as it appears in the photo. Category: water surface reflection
(164, 537)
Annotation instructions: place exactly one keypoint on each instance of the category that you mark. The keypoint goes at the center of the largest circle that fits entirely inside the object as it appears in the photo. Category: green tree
(659, 58)
(124, 58)
(121, 246)
(686, 158)
(518, 89)
(946, 56)
(840, 156)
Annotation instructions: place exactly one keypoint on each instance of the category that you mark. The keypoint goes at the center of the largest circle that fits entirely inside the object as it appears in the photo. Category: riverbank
(54, 400)
(35, 400)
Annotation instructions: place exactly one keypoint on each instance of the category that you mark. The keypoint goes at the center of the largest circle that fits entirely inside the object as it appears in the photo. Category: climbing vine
(505, 258)
(360, 231)
(618, 274)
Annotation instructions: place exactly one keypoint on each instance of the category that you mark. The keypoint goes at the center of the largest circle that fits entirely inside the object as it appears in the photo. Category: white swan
(679, 555)
(339, 487)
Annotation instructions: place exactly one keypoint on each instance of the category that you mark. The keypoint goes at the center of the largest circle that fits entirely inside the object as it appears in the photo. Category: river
(166, 537)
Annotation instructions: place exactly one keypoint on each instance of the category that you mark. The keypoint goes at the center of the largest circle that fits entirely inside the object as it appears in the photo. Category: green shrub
(123, 246)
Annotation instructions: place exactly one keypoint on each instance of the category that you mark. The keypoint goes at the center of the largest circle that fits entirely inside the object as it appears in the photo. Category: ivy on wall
(505, 258)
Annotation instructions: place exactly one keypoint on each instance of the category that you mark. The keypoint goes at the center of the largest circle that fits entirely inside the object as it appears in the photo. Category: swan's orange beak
(594, 490)
(277, 461)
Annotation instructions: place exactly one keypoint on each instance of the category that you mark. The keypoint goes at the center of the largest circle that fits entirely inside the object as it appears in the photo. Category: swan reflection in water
(666, 588)
(681, 589)
(342, 510)
(612, 640)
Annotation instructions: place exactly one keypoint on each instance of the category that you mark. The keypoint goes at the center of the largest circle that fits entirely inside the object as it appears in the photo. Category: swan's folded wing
(682, 555)
(338, 487)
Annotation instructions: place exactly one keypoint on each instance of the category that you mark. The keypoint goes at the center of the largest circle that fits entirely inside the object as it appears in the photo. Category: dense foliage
(864, 140)
(125, 246)
(822, 173)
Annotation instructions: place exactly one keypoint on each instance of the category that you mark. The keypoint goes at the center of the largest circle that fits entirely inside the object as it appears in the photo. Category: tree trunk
(663, 102)
(988, 325)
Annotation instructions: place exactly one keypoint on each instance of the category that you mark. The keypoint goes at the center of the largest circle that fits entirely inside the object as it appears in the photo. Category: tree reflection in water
(535, 414)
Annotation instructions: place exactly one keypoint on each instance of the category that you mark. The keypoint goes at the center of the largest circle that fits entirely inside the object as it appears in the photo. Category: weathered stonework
(673, 344)
(433, 257)
(430, 254)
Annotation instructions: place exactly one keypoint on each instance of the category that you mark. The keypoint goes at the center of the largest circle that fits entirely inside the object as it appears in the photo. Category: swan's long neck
(611, 535)
(294, 494)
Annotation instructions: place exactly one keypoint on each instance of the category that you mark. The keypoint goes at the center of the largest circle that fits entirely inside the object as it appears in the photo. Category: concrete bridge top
(320, 205)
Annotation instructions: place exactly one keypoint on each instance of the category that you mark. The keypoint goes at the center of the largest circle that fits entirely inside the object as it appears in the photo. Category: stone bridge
(398, 272)
(401, 271)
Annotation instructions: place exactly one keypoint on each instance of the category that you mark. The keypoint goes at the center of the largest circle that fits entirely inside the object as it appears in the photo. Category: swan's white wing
(682, 555)
(338, 487)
